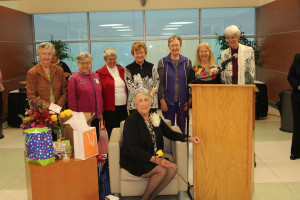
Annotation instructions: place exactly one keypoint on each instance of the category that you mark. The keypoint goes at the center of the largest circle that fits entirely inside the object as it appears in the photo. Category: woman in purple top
(85, 90)
(242, 69)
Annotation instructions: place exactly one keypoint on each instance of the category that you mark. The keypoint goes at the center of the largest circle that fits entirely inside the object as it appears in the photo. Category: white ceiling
(60, 6)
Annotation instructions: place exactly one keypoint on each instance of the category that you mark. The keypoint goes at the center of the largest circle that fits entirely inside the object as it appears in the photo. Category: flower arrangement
(39, 116)
(155, 119)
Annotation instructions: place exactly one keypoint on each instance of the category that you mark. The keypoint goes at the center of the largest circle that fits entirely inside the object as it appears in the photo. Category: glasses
(85, 63)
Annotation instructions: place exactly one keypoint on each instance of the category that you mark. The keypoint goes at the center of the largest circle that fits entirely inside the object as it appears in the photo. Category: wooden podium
(223, 119)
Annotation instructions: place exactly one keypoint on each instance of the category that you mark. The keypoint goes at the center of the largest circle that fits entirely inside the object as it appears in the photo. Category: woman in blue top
(175, 72)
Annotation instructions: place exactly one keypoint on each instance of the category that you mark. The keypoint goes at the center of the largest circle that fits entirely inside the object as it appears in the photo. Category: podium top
(226, 85)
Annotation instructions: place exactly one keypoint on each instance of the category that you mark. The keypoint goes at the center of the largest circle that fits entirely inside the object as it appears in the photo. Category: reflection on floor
(276, 176)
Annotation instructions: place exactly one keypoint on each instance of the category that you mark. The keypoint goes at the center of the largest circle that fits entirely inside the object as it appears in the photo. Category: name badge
(96, 80)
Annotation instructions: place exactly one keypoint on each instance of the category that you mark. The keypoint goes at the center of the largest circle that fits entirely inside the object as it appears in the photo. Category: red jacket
(108, 85)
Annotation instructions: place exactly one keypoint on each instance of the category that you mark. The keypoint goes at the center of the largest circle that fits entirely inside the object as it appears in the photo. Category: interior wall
(16, 49)
(278, 32)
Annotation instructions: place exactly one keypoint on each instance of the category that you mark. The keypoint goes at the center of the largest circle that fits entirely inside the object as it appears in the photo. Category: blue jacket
(184, 77)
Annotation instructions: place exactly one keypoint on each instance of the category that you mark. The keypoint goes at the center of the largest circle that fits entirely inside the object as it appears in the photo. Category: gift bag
(39, 147)
(85, 144)
(103, 139)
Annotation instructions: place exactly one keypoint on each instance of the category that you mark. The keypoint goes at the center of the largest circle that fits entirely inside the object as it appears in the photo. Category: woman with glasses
(85, 90)
(175, 72)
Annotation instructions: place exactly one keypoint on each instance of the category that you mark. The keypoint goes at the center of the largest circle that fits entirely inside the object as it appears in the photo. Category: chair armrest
(114, 160)
(180, 155)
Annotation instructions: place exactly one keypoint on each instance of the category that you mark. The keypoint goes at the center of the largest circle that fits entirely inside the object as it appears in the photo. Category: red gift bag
(103, 139)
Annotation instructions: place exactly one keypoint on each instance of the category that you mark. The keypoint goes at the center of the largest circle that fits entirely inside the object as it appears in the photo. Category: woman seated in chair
(142, 138)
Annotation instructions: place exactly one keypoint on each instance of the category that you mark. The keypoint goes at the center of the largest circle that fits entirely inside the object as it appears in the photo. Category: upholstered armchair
(126, 184)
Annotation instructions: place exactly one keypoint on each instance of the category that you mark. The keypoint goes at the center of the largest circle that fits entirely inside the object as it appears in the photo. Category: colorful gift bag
(39, 147)
(85, 144)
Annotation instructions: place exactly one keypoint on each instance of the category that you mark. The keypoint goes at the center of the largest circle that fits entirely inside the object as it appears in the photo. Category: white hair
(109, 52)
(142, 91)
(45, 45)
(83, 55)
(232, 30)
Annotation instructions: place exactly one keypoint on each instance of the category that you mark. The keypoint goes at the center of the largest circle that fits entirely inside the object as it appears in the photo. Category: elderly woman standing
(206, 67)
(141, 74)
(114, 90)
(142, 138)
(242, 69)
(175, 72)
(46, 82)
(85, 90)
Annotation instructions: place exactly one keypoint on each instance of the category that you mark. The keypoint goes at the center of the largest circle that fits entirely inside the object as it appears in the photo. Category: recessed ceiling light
(168, 34)
(172, 25)
(181, 22)
(111, 25)
(166, 29)
(126, 35)
(124, 30)
(121, 27)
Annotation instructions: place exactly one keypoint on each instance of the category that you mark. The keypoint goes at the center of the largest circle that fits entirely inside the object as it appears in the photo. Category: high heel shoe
(292, 157)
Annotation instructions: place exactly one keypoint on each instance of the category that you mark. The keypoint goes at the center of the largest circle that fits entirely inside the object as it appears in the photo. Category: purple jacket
(184, 77)
(85, 93)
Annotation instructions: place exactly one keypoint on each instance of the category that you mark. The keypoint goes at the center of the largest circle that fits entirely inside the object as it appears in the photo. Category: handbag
(103, 139)
(39, 147)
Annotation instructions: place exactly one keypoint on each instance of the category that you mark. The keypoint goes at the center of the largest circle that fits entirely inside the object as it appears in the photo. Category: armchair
(126, 184)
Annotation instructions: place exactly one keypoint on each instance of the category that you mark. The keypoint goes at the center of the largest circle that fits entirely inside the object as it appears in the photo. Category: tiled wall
(278, 31)
(16, 49)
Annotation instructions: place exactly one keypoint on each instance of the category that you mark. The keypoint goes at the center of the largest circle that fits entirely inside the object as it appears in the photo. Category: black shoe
(1, 136)
(292, 157)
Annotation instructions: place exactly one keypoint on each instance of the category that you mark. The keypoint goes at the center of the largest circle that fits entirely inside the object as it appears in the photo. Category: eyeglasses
(85, 63)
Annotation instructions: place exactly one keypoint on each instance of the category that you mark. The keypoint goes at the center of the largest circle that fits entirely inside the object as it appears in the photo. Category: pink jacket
(85, 93)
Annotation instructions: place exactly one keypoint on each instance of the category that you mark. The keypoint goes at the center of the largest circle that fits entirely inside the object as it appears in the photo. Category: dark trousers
(113, 118)
(95, 123)
(295, 149)
(181, 115)
(1, 132)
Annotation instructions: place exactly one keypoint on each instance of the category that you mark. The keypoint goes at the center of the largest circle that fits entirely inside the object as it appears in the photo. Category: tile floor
(276, 176)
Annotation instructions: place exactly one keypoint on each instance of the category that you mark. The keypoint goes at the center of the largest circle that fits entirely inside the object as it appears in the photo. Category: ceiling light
(126, 35)
(111, 25)
(121, 27)
(170, 29)
(181, 22)
(124, 30)
(168, 34)
(172, 25)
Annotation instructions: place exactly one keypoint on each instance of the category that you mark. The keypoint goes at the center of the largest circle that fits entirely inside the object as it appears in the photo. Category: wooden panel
(15, 25)
(275, 81)
(77, 180)
(278, 51)
(278, 16)
(223, 119)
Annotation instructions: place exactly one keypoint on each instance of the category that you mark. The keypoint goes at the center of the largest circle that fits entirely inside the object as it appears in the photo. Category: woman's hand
(194, 140)
(153, 91)
(163, 162)
(163, 105)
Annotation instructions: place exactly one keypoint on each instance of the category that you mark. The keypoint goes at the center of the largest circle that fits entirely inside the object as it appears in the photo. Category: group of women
(140, 87)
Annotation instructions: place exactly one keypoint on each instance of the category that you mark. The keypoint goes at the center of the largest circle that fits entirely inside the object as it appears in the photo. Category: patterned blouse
(206, 74)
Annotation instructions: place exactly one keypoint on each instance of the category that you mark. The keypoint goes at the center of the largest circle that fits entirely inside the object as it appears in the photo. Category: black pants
(95, 123)
(113, 118)
(295, 149)
(1, 133)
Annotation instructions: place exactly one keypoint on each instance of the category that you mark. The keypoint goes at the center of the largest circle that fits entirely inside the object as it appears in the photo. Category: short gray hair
(109, 52)
(232, 30)
(83, 55)
(45, 45)
(143, 91)
(173, 38)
